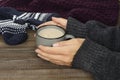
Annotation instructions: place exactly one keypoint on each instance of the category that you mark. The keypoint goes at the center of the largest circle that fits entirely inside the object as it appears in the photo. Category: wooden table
(21, 63)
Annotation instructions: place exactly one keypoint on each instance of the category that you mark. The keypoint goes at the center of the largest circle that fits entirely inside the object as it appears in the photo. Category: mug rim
(52, 38)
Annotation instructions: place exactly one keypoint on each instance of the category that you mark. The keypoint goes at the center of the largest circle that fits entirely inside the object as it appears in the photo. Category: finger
(48, 23)
(49, 57)
(52, 61)
(52, 50)
(34, 35)
(60, 21)
(42, 57)
(57, 62)
(64, 43)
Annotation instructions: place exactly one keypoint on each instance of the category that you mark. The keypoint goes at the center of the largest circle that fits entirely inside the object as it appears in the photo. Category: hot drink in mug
(50, 34)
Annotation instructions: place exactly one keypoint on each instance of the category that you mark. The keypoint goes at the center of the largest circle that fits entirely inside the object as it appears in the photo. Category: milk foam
(51, 33)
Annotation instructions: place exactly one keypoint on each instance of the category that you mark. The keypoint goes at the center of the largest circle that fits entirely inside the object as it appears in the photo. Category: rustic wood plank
(22, 56)
(20, 62)
(45, 74)
(27, 64)
(17, 54)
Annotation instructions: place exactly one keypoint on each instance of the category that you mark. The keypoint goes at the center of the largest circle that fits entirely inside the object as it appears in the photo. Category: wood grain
(20, 62)
(44, 74)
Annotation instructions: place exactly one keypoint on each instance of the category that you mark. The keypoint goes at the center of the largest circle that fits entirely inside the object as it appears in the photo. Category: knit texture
(13, 23)
(100, 52)
(10, 13)
(13, 33)
(103, 63)
(104, 35)
(105, 11)
(30, 18)
(75, 27)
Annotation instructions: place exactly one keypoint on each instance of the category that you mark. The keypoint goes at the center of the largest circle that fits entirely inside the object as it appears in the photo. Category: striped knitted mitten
(13, 33)
(30, 18)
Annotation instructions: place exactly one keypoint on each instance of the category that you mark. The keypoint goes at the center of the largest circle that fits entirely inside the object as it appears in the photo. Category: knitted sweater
(100, 52)
(105, 11)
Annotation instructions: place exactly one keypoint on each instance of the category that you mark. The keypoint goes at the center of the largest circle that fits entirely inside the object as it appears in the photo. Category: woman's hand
(62, 53)
(56, 21)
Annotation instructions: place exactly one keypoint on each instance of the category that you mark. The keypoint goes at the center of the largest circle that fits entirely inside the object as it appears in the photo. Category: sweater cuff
(91, 57)
(75, 27)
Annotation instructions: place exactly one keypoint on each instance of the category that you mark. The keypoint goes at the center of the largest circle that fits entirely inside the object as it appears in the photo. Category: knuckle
(67, 52)
(60, 43)
(77, 41)
(67, 60)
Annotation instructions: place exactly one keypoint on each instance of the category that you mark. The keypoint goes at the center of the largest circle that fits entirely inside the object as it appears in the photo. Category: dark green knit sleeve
(100, 53)
(108, 36)
(103, 63)
(76, 28)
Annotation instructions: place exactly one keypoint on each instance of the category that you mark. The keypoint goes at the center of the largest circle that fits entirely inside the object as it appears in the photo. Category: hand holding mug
(62, 53)
(56, 21)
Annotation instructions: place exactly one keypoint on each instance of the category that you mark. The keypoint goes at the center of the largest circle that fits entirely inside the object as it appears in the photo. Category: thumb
(62, 43)
(61, 21)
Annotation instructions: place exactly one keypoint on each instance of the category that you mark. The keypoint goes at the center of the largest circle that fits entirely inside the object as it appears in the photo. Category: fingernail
(53, 17)
(39, 45)
(38, 55)
(55, 45)
(36, 50)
